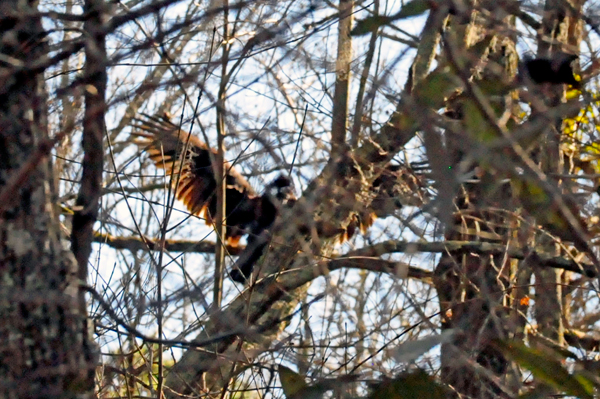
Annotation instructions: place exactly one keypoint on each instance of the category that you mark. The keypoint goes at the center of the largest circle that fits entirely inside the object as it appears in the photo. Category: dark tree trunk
(44, 347)
(473, 288)
(558, 34)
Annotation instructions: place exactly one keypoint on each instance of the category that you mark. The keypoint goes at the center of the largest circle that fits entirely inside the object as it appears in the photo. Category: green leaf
(476, 123)
(439, 84)
(545, 208)
(411, 350)
(417, 384)
(371, 24)
(294, 385)
(413, 8)
(546, 366)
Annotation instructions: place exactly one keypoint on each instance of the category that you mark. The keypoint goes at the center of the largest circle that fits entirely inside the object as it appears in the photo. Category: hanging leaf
(444, 177)
(413, 8)
(548, 213)
(546, 365)
(417, 384)
(573, 93)
(439, 84)
(476, 124)
(410, 351)
(294, 385)
(371, 24)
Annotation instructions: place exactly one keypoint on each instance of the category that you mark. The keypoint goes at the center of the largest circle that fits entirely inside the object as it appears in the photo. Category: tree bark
(45, 351)
(555, 35)
(474, 301)
(342, 80)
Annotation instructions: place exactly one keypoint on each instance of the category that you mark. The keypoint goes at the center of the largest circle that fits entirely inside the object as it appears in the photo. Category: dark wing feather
(178, 152)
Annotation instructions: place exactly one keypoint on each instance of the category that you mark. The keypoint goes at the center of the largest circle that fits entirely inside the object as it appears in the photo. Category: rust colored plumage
(190, 163)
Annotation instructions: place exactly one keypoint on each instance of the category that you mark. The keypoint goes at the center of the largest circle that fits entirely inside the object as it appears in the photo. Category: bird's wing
(188, 160)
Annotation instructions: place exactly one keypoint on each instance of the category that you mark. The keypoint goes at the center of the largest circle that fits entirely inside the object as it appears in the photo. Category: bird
(189, 161)
(557, 69)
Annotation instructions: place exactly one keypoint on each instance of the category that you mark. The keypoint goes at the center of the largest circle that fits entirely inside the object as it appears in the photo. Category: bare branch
(87, 203)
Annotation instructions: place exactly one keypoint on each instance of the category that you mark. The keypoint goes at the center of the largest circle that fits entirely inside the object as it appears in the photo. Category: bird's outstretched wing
(189, 161)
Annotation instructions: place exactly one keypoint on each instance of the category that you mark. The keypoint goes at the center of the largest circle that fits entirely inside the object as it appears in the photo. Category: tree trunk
(558, 31)
(472, 288)
(45, 350)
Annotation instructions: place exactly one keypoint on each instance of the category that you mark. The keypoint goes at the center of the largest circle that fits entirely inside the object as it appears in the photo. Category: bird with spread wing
(190, 163)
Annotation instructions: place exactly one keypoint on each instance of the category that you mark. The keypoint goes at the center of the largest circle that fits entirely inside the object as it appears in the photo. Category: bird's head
(282, 189)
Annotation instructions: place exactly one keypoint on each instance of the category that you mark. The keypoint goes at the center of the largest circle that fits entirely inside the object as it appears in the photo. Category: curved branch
(482, 248)
(399, 269)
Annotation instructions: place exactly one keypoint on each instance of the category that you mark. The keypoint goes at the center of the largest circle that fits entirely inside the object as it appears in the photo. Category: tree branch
(482, 248)
(93, 132)
(354, 259)
(146, 244)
